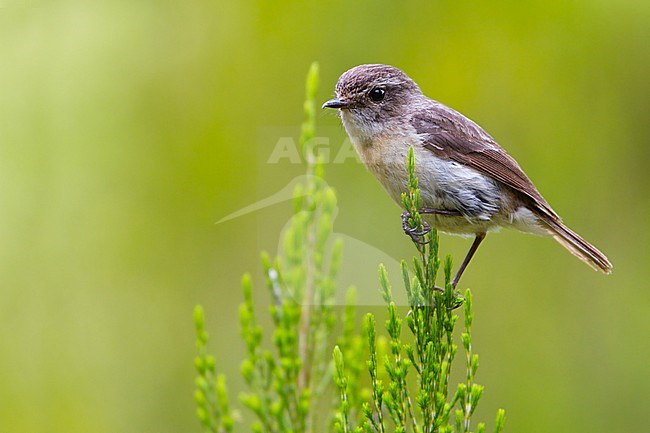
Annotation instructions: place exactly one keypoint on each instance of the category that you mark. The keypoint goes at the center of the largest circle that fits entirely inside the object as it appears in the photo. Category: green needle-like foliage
(213, 408)
(294, 385)
(416, 396)
(289, 372)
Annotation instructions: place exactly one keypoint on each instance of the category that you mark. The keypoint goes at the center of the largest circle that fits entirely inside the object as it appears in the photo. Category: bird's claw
(458, 297)
(459, 300)
(416, 236)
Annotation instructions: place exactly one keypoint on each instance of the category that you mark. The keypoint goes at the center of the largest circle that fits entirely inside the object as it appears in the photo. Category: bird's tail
(577, 246)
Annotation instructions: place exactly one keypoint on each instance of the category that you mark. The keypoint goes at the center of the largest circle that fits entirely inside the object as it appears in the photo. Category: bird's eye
(377, 94)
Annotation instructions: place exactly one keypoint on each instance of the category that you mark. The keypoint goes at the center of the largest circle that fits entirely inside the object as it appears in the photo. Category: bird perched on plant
(469, 185)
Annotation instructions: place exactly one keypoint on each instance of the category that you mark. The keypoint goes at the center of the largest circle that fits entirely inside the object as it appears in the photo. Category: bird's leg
(416, 235)
(472, 250)
(477, 241)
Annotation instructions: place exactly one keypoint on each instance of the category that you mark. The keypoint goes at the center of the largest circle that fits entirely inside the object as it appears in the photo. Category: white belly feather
(444, 184)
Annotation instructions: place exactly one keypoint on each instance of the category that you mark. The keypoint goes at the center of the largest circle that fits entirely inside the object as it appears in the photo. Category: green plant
(293, 385)
(424, 404)
(288, 381)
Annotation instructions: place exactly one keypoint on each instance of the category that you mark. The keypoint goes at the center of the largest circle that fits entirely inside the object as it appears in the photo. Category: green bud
(198, 317)
(287, 363)
(468, 310)
(459, 420)
(298, 198)
(406, 278)
(447, 270)
(304, 403)
(423, 399)
(386, 290)
(269, 358)
(329, 201)
(202, 414)
(500, 421)
(474, 364)
(461, 390)
(247, 370)
(210, 363)
(244, 316)
(247, 288)
(199, 365)
(228, 423)
(201, 383)
(338, 359)
(367, 411)
(251, 401)
(199, 397)
(467, 341)
(222, 391)
(256, 427)
(203, 336)
(319, 170)
(312, 81)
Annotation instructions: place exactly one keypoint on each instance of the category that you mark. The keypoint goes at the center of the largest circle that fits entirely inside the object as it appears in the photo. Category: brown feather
(450, 135)
(578, 246)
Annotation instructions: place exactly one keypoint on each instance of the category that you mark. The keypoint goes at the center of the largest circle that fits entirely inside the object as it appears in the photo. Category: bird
(469, 185)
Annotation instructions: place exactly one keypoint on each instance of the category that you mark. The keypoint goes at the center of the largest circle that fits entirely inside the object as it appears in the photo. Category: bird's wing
(450, 135)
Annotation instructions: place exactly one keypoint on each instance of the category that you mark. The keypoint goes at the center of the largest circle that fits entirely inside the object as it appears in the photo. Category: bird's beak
(336, 103)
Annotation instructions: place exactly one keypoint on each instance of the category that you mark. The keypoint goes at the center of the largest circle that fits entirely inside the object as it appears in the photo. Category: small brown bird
(468, 183)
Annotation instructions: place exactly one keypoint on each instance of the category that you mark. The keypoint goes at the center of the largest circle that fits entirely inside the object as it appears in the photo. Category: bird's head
(370, 97)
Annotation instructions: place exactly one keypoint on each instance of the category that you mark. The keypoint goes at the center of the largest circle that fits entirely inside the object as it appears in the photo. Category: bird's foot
(417, 236)
(457, 297)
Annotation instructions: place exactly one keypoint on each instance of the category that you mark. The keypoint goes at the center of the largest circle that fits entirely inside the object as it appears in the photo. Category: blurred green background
(127, 129)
